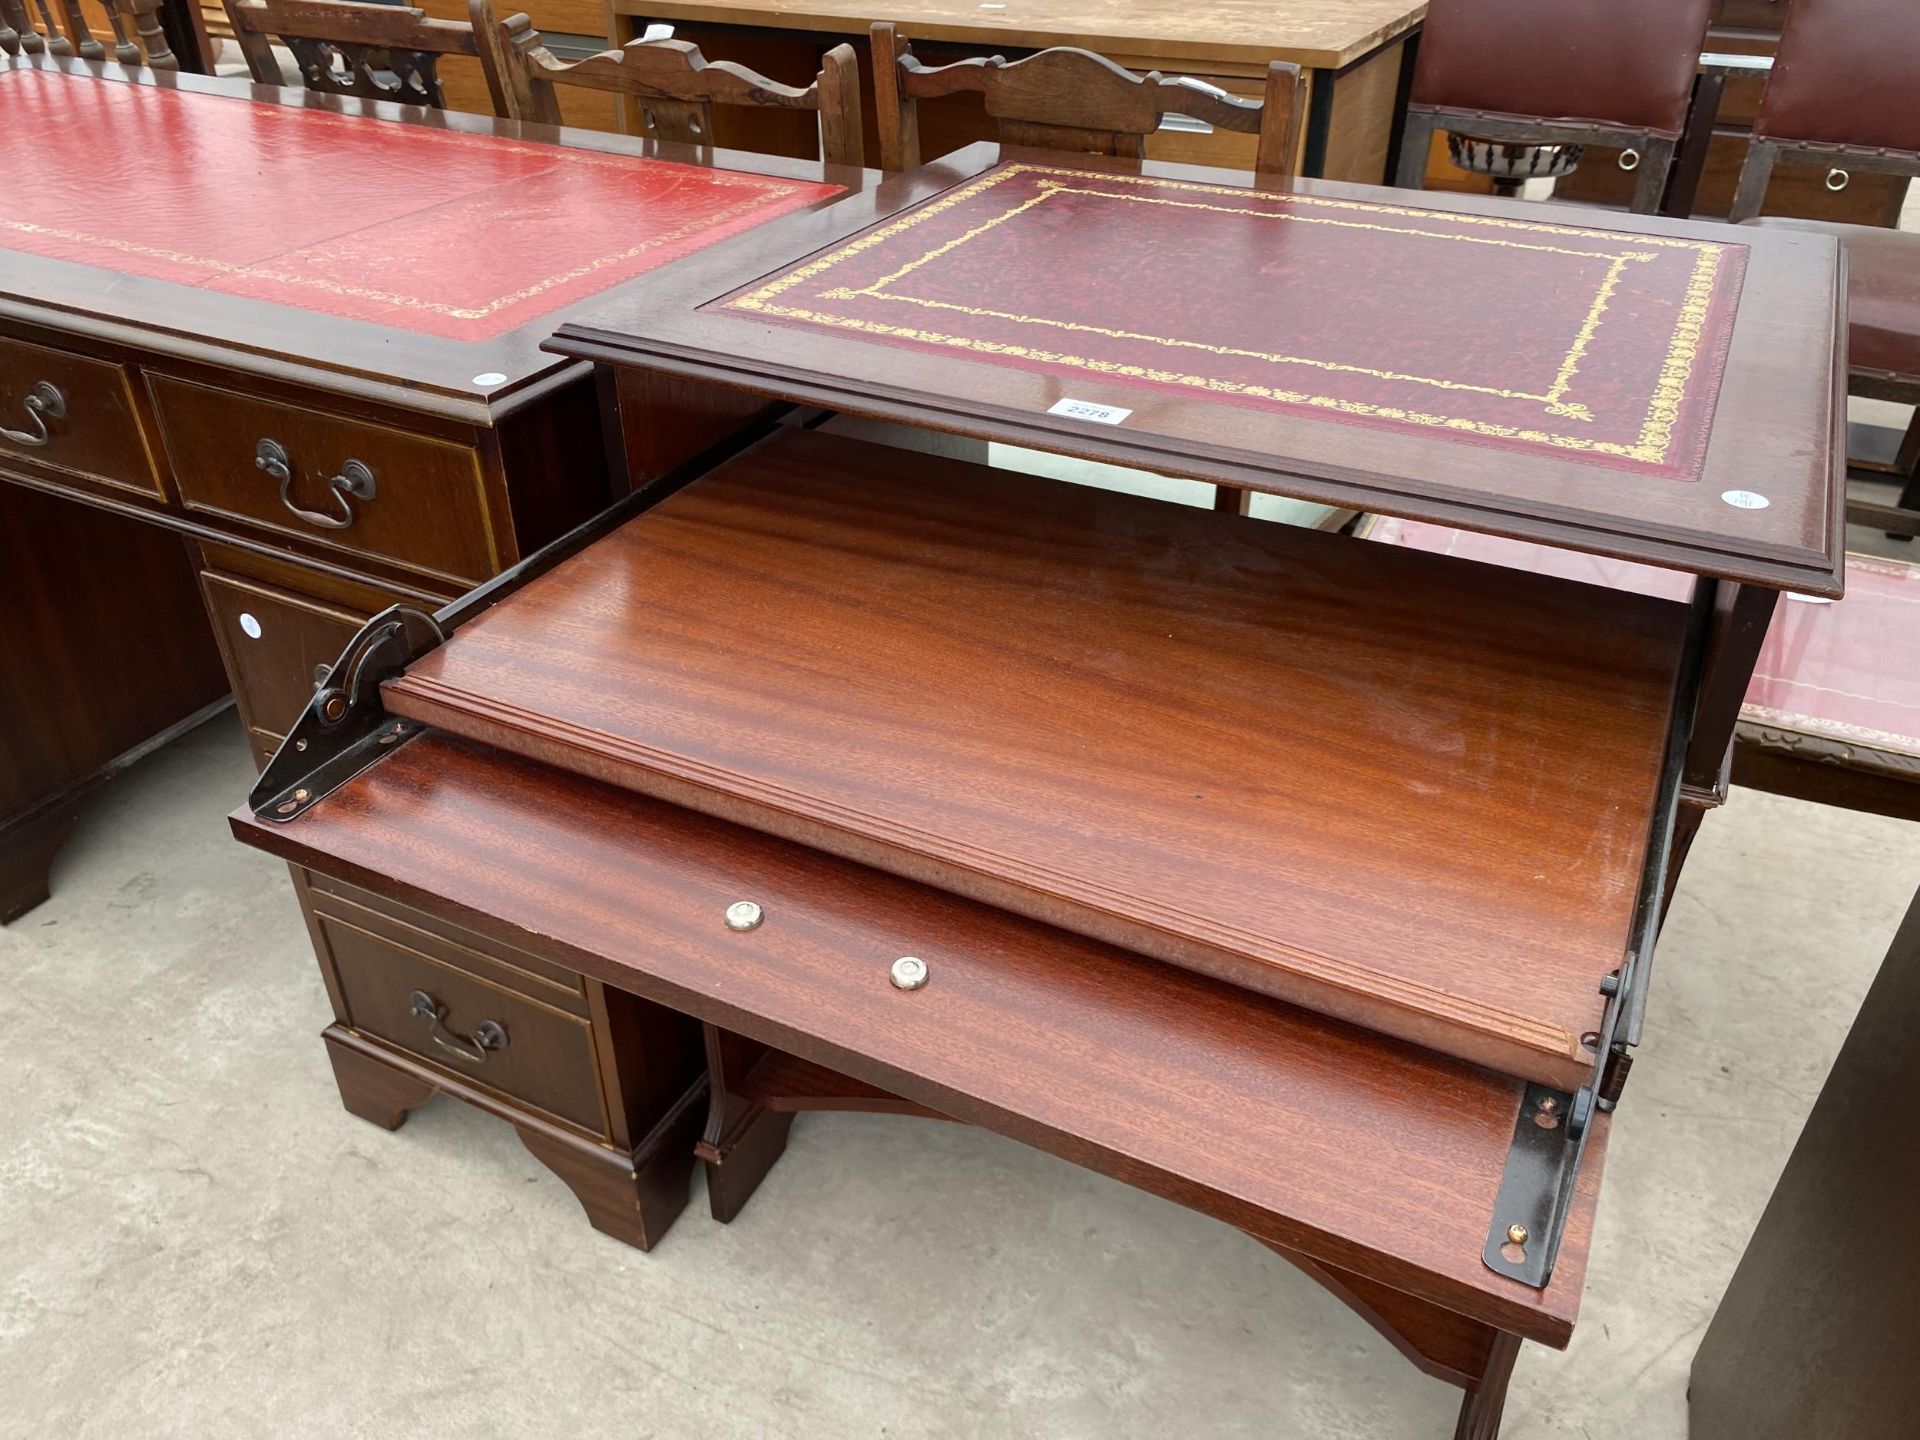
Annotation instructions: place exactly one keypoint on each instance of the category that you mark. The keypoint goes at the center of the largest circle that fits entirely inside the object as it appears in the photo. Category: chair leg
(1416, 140)
(1656, 164)
(1906, 467)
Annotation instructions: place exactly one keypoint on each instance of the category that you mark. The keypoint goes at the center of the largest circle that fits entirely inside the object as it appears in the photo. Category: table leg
(1486, 1398)
(377, 1093)
(743, 1138)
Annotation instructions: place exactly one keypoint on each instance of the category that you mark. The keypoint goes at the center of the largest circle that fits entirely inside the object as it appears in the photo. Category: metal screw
(744, 915)
(299, 795)
(909, 972)
(1548, 1105)
(1516, 1234)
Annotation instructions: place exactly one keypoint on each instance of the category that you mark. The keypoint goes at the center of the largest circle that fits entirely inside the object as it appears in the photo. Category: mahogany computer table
(1283, 874)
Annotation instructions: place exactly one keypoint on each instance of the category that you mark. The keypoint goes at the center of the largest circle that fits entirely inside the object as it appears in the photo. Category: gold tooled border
(766, 188)
(1656, 430)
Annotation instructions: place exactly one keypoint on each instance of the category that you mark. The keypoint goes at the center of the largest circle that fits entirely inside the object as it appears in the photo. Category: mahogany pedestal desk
(227, 314)
(1282, 874)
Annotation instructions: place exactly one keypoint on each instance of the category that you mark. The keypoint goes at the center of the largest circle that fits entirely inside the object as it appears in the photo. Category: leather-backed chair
(1574, 72)
(344, 47)
(1842, 96)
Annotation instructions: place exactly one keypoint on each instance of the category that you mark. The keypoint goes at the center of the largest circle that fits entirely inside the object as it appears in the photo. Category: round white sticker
(1745, 499)
(250, 625)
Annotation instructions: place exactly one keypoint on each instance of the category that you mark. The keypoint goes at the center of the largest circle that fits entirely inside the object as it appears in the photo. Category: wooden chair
(1507, 74)
(674, 85)
(376, 52)
(18, 33)
(1065, 99)
(1841, 96)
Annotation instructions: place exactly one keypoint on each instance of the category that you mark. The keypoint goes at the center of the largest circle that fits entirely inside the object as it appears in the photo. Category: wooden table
(1276, 872)
(228, 316)
(1356, 54)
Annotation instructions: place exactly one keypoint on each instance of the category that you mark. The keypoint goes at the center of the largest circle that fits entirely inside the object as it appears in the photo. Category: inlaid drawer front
(519, 970)
(347, 484)
(274, 643)
(73, 413)
(485, 1033)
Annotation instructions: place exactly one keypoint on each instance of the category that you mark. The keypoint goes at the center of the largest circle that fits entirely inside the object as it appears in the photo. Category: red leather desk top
(432, 231)
(1847, 670)
(1602, 346)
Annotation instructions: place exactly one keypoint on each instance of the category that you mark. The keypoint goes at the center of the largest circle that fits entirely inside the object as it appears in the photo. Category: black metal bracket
(1551, 1130)
(345, 728)
(1530, 1213)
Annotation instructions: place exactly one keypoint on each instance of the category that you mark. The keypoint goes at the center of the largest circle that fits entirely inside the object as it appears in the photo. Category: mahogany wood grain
(1446, 1345)
(1286, 759)
(1774, 412)
(428, 513)
(631, 1195)
(787, 1084)
(545, 1060)
(743, 1138)
(1367, 1154)
(102, 649)
(96, 433)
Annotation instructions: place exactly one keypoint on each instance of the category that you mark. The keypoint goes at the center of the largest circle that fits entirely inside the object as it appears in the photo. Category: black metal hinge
(345, 728)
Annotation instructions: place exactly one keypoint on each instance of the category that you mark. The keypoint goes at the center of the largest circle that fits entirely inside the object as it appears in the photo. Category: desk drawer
(347, 484)
(83, 408)
(273, 641)
(459, 1019)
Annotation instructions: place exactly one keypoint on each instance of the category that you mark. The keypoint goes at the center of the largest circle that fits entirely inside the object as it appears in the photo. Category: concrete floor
(196, 1240)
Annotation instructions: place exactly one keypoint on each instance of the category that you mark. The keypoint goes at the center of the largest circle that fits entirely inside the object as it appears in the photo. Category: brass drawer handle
(487, 1035)
(355, 478)
(44, 402)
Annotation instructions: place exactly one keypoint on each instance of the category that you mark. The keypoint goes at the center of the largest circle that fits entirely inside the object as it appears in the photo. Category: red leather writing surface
(1848, 670)
(1533, 335)
(427, 230)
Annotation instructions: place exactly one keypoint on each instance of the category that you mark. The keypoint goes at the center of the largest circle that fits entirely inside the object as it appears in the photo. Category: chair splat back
(344, 47)
(1067, 99)
(675, 86)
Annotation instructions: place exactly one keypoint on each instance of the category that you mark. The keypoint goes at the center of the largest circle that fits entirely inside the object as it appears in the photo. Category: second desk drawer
(276, 642)
(525, 1049)
(348, 484)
